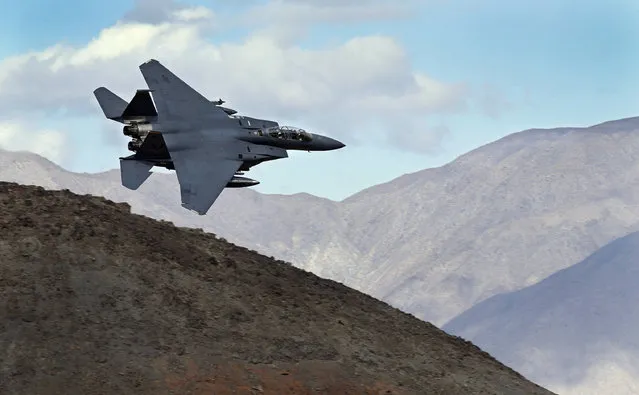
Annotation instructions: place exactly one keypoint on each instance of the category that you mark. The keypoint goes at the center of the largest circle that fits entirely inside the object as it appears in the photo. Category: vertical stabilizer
(112, 105)
(140, 106)
(133, 173)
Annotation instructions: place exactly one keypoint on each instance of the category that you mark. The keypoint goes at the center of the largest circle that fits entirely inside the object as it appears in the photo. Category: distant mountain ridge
(574, 332)
(434, 242)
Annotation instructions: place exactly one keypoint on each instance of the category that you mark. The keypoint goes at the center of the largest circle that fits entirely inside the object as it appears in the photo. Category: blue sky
(555, 63)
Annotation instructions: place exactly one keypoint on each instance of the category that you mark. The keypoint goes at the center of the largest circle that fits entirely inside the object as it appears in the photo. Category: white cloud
(304, 12)
(159, 11)
(16, 136)
(285, 21)
(194, 14)
(364, 81)
(421, 139)
(493, 102)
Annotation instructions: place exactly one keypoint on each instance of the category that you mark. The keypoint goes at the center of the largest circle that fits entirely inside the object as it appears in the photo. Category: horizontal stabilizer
(133, 173)
(112, 105)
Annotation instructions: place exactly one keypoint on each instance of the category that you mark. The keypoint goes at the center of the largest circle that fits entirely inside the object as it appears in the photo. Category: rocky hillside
(574, 332)
(432, 243)
(95, 300)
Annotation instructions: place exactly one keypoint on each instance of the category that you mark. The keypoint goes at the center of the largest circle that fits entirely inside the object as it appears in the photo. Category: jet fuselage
(255, 144)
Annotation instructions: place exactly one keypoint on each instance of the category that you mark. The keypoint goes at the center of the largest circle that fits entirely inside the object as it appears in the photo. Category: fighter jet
(173, 126)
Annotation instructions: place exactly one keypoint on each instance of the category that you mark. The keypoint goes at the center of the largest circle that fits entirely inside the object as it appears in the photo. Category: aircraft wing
(174, 97)
(202, 176)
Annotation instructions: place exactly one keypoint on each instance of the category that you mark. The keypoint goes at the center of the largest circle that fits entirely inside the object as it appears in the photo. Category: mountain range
(433, 243)
(575, 331)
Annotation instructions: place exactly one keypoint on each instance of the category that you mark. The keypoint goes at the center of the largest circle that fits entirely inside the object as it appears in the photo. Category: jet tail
(134, 173)
(141, 107)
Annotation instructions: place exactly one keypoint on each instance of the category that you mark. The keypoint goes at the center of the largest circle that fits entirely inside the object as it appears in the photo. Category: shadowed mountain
(574, 332)
(432, 243)
(96, 300)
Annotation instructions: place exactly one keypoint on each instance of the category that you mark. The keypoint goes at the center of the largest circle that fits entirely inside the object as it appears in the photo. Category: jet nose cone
(332, 144)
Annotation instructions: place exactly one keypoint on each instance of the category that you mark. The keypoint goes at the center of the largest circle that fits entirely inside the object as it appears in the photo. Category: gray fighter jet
(209, 146)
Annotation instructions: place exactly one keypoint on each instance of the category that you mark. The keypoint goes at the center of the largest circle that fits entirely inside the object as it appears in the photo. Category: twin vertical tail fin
(140, 109)
(112, 105)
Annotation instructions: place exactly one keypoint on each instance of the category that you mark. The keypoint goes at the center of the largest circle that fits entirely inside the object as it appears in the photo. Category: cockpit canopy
(289, 133)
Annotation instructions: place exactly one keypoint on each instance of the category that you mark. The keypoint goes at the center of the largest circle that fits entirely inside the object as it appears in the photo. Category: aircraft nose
(332, 144)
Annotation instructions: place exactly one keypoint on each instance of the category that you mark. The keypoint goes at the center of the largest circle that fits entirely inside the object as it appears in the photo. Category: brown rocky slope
(95, 300)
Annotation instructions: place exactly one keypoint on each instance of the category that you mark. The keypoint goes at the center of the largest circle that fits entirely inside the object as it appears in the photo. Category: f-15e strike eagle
(207, 145)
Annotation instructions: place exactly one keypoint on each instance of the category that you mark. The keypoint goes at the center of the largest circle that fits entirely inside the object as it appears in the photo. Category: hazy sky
(406, 85)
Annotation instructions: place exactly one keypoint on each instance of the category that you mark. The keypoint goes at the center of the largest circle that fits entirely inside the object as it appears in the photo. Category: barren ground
(95, 300)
